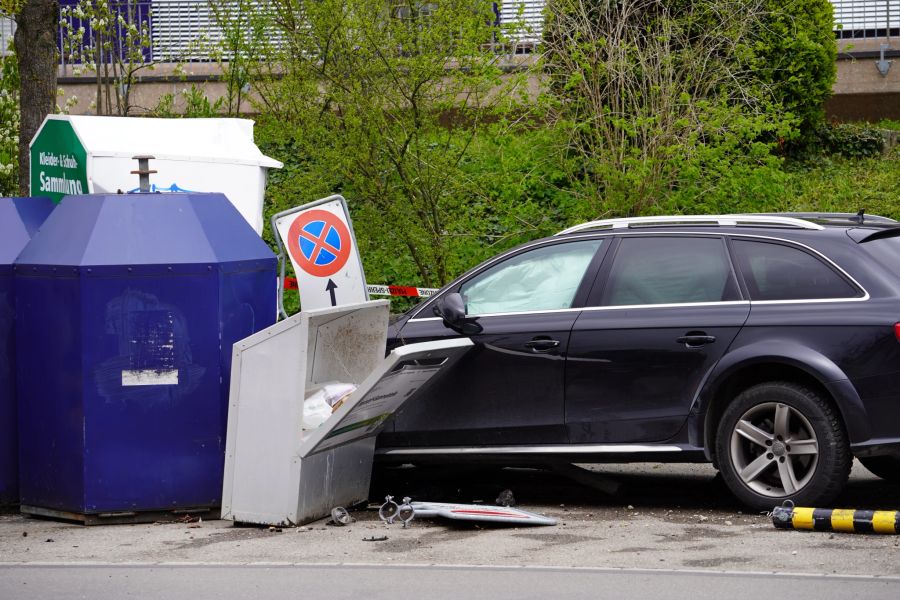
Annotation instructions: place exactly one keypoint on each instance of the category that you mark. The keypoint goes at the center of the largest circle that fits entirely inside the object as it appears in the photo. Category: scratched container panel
(152, 407)
(19, 220)
(157, 309)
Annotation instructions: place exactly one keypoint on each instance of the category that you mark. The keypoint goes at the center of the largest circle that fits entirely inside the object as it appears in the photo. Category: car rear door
(663, 311)
(509, 388)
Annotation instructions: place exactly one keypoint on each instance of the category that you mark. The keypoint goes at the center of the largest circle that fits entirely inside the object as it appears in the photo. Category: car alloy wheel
(774, 449)
(781, 440)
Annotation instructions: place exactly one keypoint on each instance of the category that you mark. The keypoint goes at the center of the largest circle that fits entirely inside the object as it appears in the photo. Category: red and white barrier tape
(290, 283)
(401, 290)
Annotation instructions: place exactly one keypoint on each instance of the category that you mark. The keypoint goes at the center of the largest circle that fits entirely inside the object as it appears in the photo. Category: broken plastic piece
(506, 498)
(340, 516)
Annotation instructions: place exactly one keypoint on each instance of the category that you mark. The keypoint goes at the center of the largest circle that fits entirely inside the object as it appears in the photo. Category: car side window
(779, 272)
(670, 270)
(546, 278)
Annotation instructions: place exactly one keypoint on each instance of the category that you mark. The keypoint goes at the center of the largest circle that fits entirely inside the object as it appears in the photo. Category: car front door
(509, 388)
(663, 311)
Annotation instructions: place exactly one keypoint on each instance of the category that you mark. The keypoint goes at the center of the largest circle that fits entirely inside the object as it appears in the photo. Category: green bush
(849, 140)
(509, 190)
(841, 184)
(517, 188)
(659, 98)
(795, 53)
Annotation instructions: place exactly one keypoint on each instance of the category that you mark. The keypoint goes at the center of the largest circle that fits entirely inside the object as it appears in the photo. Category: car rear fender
(773, 360)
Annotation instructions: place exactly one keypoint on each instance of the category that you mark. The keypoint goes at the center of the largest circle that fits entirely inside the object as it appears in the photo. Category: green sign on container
(58, 161)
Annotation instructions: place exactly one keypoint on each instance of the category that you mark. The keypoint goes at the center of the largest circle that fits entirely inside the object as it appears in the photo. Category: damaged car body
(768, 345)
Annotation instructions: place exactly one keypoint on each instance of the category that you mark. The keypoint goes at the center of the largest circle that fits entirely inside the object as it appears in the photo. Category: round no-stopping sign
(319, 242)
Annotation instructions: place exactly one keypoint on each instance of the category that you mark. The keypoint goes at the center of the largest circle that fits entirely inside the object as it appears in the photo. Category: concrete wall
(152, 85)
(860, 92)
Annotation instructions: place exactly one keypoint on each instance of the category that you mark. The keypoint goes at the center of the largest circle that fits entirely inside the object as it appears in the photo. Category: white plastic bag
(324, 400)
(315, 411)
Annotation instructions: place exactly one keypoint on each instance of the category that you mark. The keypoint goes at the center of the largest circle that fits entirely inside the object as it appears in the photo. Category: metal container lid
(20, 219)
(116, 234)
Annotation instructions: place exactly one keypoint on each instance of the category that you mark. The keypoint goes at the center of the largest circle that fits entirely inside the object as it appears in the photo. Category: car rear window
(778, 272)
(885, 250)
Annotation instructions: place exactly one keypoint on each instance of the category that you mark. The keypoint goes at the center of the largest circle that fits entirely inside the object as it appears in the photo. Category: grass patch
(846, 185)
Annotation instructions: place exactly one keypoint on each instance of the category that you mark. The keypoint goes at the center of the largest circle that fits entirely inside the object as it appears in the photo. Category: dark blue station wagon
(768, 345)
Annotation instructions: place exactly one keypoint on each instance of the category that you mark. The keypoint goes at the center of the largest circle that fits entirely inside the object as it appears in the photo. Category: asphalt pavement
(351, 582)
(647, 530)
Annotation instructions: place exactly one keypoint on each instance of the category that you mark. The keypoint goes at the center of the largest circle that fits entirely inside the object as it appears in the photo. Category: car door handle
(542, 344)
(696, 340)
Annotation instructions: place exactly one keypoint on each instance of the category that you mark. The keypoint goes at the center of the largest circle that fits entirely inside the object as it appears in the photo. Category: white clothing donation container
(75, 155)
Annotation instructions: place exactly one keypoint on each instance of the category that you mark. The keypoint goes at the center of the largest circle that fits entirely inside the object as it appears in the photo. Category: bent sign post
(319, 240)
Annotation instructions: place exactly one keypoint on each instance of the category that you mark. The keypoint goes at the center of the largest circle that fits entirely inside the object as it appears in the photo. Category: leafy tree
(241, 40)
(383, 100)
(642, 85)
(111, 39)
(659, 95)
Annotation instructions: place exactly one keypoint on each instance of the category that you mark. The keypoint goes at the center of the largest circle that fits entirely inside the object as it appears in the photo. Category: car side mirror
(452, 310)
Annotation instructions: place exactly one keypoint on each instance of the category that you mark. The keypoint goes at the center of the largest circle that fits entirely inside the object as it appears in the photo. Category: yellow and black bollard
(846, 520)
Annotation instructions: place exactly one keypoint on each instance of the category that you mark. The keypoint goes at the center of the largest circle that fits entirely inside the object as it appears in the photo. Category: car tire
(782, 441)
(886, 467)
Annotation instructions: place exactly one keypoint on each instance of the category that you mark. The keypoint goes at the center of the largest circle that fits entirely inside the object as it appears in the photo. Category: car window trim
(738, 275)
(598, 287)
(596, 308)
(727, 235)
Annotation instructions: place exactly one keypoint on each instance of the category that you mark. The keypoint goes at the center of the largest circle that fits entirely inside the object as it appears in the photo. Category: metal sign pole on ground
(319, 240)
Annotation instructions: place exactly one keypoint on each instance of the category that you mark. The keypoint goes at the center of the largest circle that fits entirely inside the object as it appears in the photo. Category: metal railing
(7, 29)
(183, 31)
(865, 19)
(78, 41)
(186, 30)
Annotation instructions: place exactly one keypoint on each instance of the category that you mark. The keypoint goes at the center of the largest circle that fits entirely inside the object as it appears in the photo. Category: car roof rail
(714, 220)
(839, 217)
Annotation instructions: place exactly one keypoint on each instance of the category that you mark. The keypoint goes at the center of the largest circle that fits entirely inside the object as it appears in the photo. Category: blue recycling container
(19, 220)
(127, 309)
